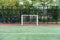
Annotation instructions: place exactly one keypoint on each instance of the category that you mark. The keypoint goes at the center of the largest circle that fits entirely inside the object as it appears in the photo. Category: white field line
(30, 33)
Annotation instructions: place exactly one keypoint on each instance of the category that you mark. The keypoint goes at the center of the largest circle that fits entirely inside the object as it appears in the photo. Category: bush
(54, 12)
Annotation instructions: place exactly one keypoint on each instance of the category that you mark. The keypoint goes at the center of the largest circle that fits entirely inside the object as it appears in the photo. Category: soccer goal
(30, 18)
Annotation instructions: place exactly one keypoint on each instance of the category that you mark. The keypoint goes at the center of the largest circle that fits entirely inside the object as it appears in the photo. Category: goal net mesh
(29, 19)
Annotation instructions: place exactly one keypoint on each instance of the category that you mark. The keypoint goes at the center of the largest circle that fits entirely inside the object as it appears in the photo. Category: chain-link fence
(46, 14)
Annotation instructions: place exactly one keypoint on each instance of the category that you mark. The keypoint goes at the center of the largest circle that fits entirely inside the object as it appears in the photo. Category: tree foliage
(25, 2)
(6, 3)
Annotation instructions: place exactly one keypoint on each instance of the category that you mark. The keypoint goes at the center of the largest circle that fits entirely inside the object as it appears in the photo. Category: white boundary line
(30, 33)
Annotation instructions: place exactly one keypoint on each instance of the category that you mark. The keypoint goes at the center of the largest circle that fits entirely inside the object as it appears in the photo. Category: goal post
(22, 22)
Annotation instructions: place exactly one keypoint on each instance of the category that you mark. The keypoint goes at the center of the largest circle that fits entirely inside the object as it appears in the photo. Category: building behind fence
(13, 14)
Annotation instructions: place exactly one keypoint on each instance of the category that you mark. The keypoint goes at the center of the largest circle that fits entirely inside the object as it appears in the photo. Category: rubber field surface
(29, 32)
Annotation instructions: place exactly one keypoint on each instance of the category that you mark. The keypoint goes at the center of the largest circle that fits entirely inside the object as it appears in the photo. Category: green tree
(6, 3)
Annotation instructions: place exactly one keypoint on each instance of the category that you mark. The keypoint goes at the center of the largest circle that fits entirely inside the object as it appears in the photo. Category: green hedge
(53, 11)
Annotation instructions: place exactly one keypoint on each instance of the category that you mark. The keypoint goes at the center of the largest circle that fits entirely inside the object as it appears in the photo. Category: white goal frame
(30, 16)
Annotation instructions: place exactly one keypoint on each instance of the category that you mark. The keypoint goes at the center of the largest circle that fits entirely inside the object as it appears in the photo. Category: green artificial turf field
(29, 33)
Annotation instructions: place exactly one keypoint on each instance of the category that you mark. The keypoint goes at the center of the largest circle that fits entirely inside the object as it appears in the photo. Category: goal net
(29, 19)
